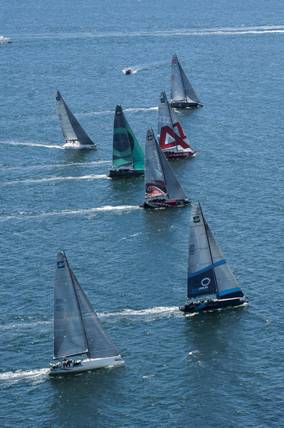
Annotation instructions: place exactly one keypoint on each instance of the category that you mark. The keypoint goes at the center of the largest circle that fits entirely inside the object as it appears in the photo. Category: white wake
(80, 211)
(31, 144)
(54, 179)
(23, 374)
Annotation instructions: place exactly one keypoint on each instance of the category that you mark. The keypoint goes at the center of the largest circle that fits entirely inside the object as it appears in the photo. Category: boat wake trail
(23, 374)
(194, 32)
(74, 212)
(54, 179)
(133, 69)
(130, 109)
(150, 313)
(52, 166)
(31, 144)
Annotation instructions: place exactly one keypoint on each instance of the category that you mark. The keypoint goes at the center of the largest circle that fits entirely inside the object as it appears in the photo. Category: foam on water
(83, 211)
(130, 110)
(23, 374)
(195, 32)
(158, 310)
(52, 166)
(52, 179)
(31, 144)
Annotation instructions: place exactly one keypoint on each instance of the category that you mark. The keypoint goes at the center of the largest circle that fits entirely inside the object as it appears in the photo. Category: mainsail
(181, 89)
(208, 271)
(77, 328)
(160, 179)
(127, 152)
(71, 128)
(170, 131)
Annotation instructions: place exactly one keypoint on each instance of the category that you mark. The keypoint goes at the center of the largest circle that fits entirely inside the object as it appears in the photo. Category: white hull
(75, 145)
(88, 364)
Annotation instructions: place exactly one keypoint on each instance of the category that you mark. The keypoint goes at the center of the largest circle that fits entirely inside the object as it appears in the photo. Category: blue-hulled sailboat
(209, 275)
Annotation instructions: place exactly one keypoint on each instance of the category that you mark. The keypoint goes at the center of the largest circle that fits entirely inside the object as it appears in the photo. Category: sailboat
(74, 135)
(182, 93)
(172, 139)
(77, 329)
(208, 272)
(127, 155)
(162, 188)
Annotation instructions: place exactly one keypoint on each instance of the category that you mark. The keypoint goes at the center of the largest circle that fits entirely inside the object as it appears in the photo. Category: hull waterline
(184, 105)
(211, 305)
(87, 365)
(165, 204)
(125, 173)
(75, 145)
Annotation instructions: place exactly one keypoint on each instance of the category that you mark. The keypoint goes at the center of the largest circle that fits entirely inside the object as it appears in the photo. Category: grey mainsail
(69, 334)
(99, 343)
(181, 89)
(201, 278)
(208, 271)
(159, 173)
(77, 329)
(71, 128)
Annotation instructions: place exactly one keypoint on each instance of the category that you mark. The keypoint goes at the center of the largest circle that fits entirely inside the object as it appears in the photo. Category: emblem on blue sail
(182, 93)
(162, 188)
(172, 139)
(77, 329)
(209, 275)
(127, 154)
(74, 135)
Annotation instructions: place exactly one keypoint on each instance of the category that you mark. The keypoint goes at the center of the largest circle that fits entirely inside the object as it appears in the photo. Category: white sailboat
(80, 343)
(74, 135)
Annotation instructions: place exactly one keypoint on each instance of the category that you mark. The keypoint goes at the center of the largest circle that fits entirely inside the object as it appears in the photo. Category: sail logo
(196, 219)
(60, 264)
(205, 282)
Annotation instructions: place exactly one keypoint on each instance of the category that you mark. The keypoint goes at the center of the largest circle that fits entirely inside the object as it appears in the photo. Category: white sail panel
(69, 334)
(71, 128)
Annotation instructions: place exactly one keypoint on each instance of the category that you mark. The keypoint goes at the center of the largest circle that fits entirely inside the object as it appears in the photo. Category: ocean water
(220, 369)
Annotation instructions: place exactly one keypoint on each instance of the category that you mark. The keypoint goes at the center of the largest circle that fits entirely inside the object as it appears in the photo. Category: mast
(209, 246)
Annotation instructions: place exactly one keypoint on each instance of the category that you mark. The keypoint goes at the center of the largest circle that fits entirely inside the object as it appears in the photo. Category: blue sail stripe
(229, 291)
(213, 265)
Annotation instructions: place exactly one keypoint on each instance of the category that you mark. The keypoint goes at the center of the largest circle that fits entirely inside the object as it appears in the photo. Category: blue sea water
(220, 369)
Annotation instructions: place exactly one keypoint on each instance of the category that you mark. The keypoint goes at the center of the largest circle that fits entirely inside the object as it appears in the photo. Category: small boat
(4, 40)
(127, 71)
(208, 272)
(162, 188)
(172, 139)
(127, 154)
(80, 343)
(182, 93)
(74, 135)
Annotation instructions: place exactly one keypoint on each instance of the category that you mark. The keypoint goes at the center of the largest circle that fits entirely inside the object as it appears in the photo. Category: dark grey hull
(125, 173)
(185, 104)
(171, 203)
(211, 305)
